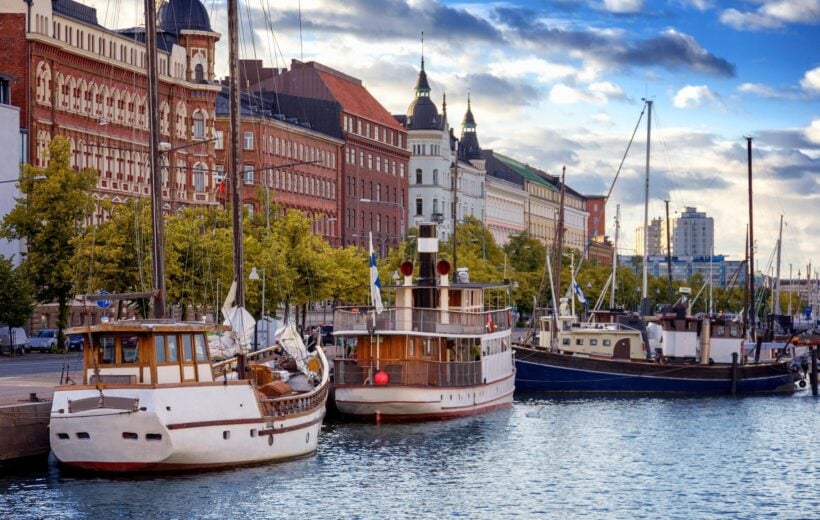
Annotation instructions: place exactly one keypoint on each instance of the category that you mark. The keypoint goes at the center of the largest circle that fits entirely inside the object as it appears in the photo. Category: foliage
(55, 202)
(16, 304)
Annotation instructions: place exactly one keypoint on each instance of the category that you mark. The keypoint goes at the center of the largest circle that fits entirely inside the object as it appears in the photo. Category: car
(18, 337)
(74, 342)
(44, 341)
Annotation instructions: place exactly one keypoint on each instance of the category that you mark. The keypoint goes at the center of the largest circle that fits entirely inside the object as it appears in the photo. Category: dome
(422, 114)
(180, 15)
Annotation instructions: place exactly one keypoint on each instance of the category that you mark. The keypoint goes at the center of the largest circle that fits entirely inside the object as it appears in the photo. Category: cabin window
(566, 341)
(159, 348)
(107, 353)
(199, 343)
(427, 347)
(173, 351)
(187, 348)
(593, 342)
(733, 331)
(607, 342)
(130, 349)
(579, 341)
(720, 331)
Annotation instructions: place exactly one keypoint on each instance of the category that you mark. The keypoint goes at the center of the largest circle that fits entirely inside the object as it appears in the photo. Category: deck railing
(421, 320)
(416, 373)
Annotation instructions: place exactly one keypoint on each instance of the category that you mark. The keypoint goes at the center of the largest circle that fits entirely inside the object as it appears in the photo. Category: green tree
(525, 264)
(55, 203)
(16, 304)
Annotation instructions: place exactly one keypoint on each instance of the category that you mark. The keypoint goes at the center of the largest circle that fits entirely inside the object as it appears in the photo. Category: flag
(579, 293)
(375, 283)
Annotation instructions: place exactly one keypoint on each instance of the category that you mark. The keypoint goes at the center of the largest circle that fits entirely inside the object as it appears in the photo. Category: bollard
(813, 375)
(378, 417)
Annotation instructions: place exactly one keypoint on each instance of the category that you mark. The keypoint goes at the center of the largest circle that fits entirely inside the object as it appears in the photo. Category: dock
(24, 427)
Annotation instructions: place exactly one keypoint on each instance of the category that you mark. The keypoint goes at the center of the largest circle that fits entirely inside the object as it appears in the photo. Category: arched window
(419, 177)
(199, 125)
(199, 178)
(199, 73)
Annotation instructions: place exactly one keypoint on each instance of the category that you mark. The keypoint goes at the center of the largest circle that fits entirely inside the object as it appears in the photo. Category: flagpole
(572, 285)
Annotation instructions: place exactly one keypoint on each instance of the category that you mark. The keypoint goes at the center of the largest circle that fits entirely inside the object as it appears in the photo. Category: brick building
(86, 82)
(286, 164)
(373, 181)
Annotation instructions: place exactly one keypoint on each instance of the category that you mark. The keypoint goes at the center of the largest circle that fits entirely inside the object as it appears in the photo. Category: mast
(559, 236)
(158, 236)
(455, 214)
(645, 285)
(236, 155)
(777, 309)
(668, 255)
(746, 286)
(615, 257)
(753, 312)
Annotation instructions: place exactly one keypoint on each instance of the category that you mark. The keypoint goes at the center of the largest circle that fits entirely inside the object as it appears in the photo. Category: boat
(442, 350)
(699, 356)
(152, 399)
(696, 355)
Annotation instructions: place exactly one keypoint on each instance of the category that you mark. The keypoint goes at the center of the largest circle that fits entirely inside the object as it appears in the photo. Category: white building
(10, 160)
(505, 203)
(437, 160)
(693, 234)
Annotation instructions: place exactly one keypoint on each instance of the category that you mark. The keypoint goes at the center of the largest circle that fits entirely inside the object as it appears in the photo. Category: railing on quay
(421, 320)
(415, 372)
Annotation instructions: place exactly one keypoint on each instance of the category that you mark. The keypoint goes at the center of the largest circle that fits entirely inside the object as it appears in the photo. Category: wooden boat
(610, 357)
(443, 350)
(151, 400)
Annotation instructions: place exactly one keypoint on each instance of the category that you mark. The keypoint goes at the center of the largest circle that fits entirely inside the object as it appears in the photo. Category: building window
(219, 174)
(419, 177)
(199, 126)
(419, 206)
(248, 142)
(220, 139)
(199, 73)
(199, 178)
(248, 169)
(435, 177)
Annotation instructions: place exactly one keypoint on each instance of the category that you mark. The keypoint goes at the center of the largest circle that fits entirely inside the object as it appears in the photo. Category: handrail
(414, 319)
(410, 372)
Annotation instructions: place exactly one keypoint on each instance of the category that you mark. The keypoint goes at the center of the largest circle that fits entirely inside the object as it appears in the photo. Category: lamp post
(255, 276)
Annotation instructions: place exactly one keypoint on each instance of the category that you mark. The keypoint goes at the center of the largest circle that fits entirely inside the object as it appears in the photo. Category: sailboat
(699, 355)
(152, 399)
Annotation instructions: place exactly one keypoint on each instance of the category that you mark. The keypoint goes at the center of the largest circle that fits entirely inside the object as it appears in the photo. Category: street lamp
(35, 178)
(255, 276)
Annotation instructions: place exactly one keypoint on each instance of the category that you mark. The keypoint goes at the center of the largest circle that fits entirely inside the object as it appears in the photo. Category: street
(38, 373)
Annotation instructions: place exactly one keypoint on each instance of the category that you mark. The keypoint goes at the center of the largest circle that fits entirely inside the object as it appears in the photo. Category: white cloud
(693, 96)
(596, 93)
(700, 5)
(760, 89)
(813, 132)
(811, 81)
(545, 71)
(773, 14)
(623, 6)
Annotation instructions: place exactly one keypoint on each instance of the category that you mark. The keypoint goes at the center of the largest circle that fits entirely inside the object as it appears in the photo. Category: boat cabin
(606, 340)
(145, 353)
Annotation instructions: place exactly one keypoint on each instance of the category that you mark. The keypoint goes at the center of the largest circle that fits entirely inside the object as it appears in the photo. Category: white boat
(151, 400)
(442, 350)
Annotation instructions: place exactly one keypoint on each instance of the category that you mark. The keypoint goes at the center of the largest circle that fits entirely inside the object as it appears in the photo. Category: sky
(557, 83)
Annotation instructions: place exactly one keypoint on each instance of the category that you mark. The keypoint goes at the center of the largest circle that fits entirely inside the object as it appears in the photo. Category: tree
(526, 265)
(50, 214)
(16, 304)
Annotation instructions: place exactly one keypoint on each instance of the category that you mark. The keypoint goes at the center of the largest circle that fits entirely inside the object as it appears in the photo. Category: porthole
(83, 435)
(131, 436)
(226, 434)
(270, 440)
(153, 436)
(307, 438)
(63, 436)
(253, 432)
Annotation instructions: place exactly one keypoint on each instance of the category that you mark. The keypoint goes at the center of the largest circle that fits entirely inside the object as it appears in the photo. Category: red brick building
(596, 222)
(295, 166)
(86, 82)
(373, 182)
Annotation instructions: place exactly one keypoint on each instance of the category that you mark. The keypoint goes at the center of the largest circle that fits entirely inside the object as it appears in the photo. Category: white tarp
(240, 337)
(290, 340)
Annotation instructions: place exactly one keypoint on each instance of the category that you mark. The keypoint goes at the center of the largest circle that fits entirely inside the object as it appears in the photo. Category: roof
(179, 15)
(523, 170)
(355, 99)
(76, 10)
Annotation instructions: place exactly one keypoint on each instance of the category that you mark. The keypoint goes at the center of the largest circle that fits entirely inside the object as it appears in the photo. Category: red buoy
(381, 378)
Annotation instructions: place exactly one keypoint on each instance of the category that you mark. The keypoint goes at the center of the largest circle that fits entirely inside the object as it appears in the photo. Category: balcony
(436, 321)
(410, 372)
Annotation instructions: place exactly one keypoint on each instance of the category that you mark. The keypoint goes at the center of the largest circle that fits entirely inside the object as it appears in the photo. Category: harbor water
(546, 457)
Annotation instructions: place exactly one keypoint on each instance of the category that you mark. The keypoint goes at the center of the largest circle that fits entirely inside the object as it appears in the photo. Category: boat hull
(177, 428)
(407, 403)
(541, 371)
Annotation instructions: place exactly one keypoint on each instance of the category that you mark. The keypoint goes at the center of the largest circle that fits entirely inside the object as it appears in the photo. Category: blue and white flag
(579, 293)
(375, 283)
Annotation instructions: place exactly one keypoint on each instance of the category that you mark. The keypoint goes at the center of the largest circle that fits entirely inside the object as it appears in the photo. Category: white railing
(421, 320)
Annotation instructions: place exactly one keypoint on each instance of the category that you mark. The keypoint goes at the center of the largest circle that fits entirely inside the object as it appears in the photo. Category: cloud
(694, 96)
(813, 132)
(511, 92)
(700, 5)
(760, 89)
(671, 49)
(773, 14)
(596, 93)
(623, 6)
(811, 81)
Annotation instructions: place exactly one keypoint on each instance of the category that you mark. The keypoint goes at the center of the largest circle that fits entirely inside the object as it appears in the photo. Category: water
(568, 457)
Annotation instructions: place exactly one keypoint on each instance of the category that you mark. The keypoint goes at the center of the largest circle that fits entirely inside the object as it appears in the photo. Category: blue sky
(560, 82)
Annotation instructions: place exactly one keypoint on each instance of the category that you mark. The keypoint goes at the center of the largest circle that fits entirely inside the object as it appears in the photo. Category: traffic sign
(103, 304)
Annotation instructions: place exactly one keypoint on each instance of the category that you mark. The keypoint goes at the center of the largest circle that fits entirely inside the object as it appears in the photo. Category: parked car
(74, 342)
(44, 341)
(18, 337)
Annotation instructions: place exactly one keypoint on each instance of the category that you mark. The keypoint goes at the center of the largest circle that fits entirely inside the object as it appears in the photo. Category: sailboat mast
(777, 309)
(158, 242)
(752, 313)
(669, 255)
(236, 155)
(615, 257)
(645, 285)
(559, 236)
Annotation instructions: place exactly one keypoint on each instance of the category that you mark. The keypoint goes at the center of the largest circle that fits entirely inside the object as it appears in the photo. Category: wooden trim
(274, 431)
(227, 422)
